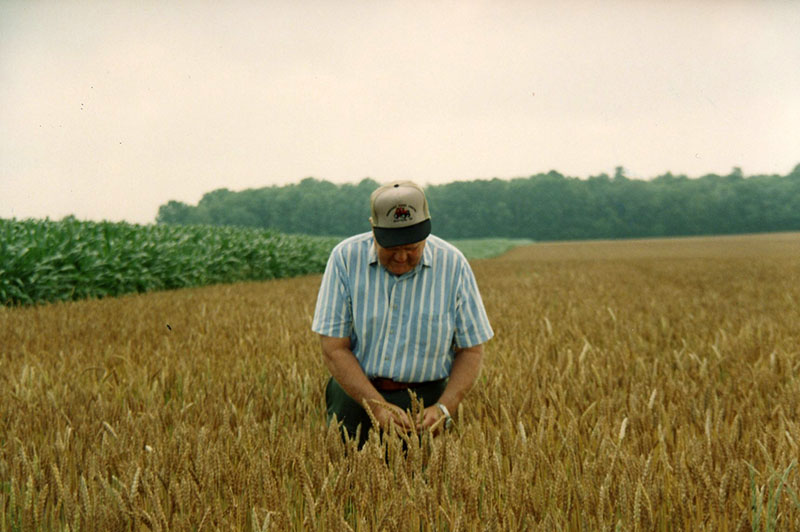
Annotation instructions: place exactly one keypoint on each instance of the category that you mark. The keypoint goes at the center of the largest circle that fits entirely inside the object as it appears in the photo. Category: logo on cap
(401, 212)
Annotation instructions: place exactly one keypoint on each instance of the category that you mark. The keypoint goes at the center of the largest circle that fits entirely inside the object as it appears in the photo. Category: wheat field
(631, 385)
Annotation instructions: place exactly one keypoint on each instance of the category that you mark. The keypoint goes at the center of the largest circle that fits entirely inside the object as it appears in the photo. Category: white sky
(108, 109)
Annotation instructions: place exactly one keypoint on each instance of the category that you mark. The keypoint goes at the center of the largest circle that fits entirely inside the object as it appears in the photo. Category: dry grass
(640, 385)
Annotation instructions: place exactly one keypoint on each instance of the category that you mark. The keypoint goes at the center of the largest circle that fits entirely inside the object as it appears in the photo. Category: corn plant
(44, 260)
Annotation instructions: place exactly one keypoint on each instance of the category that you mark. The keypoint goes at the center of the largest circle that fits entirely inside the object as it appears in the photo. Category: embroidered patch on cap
(402, 213)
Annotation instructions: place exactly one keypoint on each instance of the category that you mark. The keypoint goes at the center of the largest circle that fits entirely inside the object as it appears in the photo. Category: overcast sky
(109, 109)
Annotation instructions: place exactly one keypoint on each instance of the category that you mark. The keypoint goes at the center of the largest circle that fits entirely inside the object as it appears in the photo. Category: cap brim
(389, 238)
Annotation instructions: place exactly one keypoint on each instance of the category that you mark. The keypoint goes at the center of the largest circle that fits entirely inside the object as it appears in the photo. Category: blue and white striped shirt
(405, 327)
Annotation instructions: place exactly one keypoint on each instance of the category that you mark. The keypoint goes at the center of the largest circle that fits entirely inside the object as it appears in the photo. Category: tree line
(547, 206)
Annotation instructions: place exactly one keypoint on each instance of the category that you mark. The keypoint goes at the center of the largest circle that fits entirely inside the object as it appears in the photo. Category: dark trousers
(351, 415)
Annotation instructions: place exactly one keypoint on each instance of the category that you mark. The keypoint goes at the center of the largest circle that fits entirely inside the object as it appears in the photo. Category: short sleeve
(333, 313)
(472, 323)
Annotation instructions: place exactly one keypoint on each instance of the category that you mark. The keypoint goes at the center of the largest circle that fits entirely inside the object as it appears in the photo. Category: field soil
(631, 385)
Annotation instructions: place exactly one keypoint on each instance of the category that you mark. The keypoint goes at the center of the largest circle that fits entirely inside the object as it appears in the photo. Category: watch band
(448, 419)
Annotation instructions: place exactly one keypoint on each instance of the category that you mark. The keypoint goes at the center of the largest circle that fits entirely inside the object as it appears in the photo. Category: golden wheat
(647, 385)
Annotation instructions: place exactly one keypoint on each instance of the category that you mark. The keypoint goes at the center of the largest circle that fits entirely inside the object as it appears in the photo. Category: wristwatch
(448, 419)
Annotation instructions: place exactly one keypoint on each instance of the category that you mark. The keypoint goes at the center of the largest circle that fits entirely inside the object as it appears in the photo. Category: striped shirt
(405, 327)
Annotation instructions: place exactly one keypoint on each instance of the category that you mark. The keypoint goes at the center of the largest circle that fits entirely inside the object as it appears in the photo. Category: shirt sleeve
(333, 314)
(472, 323)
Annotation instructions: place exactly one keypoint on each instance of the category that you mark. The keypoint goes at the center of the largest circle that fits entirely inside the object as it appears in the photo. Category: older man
(398, 310)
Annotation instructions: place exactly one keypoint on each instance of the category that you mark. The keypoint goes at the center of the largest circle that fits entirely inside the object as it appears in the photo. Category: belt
(388, 385)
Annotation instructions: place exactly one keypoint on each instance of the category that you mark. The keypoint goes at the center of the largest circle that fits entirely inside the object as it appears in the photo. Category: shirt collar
(373, 254)
(427, 255)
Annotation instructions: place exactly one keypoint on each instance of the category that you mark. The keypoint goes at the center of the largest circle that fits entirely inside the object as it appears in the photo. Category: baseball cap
(399, 214)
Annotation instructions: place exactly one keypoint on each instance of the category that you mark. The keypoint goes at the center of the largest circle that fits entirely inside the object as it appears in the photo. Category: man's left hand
(432, 416)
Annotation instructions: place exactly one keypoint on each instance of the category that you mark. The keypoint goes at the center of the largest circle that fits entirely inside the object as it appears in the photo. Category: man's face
(400, 259)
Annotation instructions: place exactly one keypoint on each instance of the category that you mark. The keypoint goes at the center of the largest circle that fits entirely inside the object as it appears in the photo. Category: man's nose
(400, 256)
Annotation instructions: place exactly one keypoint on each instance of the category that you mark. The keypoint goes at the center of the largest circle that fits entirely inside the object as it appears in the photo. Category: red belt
(388, 385)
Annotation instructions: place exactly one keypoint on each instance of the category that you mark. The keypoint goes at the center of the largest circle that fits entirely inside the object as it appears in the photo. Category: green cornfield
(46, 261)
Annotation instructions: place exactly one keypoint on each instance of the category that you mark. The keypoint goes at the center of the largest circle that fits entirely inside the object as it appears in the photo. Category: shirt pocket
(434, 334)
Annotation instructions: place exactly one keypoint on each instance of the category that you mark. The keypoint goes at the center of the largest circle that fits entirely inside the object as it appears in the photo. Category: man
(398, 309)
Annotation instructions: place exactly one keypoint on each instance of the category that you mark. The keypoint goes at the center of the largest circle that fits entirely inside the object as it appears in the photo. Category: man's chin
(399, 270)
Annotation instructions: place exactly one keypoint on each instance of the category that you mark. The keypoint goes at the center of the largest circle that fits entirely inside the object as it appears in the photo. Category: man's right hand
(386, 414)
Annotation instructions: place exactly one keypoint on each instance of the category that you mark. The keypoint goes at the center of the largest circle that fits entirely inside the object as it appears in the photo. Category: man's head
(399, 214)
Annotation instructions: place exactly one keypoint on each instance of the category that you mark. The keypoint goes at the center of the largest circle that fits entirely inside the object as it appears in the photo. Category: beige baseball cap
(399, 214)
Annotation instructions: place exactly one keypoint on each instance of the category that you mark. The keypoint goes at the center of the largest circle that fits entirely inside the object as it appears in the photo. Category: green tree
(174, 212)
(547, 206)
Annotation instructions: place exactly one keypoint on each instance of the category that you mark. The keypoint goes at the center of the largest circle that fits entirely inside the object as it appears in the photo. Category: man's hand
(386, 414)
(431, 418)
